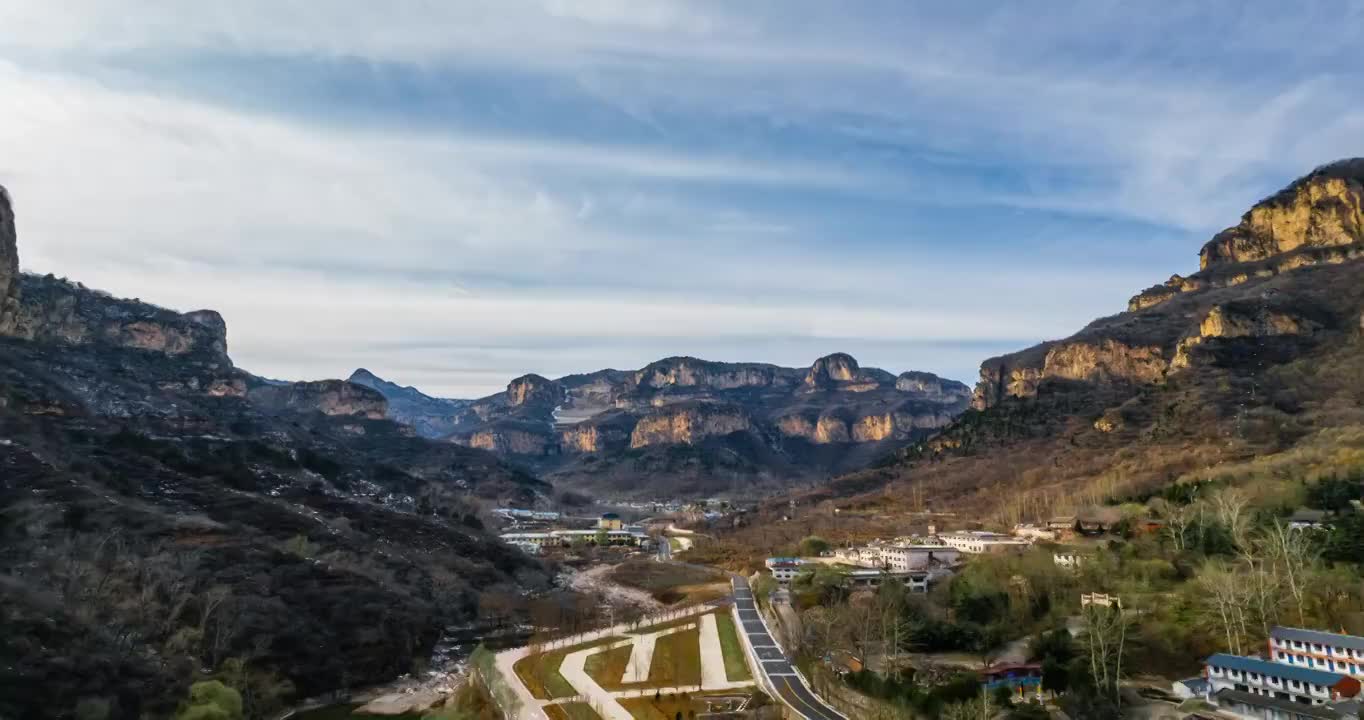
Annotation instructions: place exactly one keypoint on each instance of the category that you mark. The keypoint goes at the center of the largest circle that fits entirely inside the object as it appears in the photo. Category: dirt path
(593, 581)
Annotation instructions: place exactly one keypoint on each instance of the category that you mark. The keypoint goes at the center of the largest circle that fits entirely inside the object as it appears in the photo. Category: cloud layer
(452, 194)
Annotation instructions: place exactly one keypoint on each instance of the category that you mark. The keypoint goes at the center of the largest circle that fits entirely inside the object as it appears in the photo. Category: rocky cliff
(329, 397)
(9, 265)
(602, 428)
(1249, 285)
(1255, 361)
(688, 424)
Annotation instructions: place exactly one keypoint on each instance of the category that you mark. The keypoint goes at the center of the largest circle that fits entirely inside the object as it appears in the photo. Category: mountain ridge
(1256, 356)
(696, 425)
(165, 514)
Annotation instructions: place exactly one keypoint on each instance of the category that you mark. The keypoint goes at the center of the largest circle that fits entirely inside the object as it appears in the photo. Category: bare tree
(1294, 555)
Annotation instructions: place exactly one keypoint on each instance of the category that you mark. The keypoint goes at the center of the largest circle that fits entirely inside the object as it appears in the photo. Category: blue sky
(452, 194)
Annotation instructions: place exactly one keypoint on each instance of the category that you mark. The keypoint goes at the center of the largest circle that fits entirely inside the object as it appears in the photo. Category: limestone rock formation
(533, 390)
(1322, 209)
(707, 421)
(1244, 289)
(1316, 220)
(9, 265)
(52, 310)
(689, 372)
(688, 424)
(329, 397)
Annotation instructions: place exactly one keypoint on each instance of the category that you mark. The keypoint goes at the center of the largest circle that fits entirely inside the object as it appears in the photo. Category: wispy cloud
(564, 185)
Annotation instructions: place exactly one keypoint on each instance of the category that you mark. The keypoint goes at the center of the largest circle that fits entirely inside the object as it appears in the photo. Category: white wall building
(907, 558)
(784, 568)
(977, 542)
(1342, 654)
(1262, 678)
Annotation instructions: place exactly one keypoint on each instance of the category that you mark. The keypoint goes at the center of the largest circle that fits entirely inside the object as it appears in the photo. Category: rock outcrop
(1244, 289)
(1322, 209)
(688, 425)
(1316, 220)
(9, 265)
(534, 390)
(689, 372)
(329, 397)
(52, 310)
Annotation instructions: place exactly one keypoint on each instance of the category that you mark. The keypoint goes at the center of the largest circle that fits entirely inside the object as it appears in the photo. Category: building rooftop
(1325, 712)
(1273, 669)
(1317, 636)
(1196, 685)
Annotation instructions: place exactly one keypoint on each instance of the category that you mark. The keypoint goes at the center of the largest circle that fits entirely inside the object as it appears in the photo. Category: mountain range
(683, 425)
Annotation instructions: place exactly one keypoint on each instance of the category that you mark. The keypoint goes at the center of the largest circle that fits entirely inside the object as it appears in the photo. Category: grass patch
(540, 672)
(736, 669)
(668, 583)
(571, 711)
(677, 660)
(608, 667)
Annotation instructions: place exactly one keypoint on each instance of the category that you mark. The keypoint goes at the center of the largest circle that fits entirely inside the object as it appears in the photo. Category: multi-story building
(977, 542)
(1262, 678)
(784, 569)
(905, 558)
(1342, 654)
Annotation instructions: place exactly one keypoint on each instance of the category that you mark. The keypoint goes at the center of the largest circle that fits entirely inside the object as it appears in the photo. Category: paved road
(775, 665)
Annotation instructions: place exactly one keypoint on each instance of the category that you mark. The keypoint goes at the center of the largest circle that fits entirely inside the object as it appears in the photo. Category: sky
(452, 194)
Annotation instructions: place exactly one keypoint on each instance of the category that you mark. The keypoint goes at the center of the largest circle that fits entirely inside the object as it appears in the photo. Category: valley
(695, 536)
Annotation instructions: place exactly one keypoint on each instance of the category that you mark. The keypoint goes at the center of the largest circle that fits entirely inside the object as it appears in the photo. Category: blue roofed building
(1259, 678)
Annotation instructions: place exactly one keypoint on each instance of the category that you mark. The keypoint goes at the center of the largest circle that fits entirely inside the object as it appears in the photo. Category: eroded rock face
(1322, 209)
(687, 425)
(329, 397)
(533, 390)
(687, 372)
(511, 441)
(9, 265)
(931, 387)
(832, 369)
(52, 310)
(1315, 221)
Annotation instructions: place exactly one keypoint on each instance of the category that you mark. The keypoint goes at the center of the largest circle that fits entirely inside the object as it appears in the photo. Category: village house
(1318, 650)
(1029, 531)
(1240, 683)
(977, 542)
(784, 569)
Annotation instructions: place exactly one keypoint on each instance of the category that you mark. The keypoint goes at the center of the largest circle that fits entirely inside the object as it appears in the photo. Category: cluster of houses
(1307, 675)
(610, 530)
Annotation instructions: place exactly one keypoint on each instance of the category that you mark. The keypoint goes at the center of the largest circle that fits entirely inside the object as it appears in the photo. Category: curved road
(777, 668)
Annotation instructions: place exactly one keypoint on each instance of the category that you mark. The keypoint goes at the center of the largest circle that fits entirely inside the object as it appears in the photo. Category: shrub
(211, 700)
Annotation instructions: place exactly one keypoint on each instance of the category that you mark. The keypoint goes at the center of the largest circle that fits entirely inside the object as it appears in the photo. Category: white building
(977, 542)
(1342, 654)
(535, 539)
(1033, 532)
(1238, 683)
(907, 558)
(559, 538)
(784, 568)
